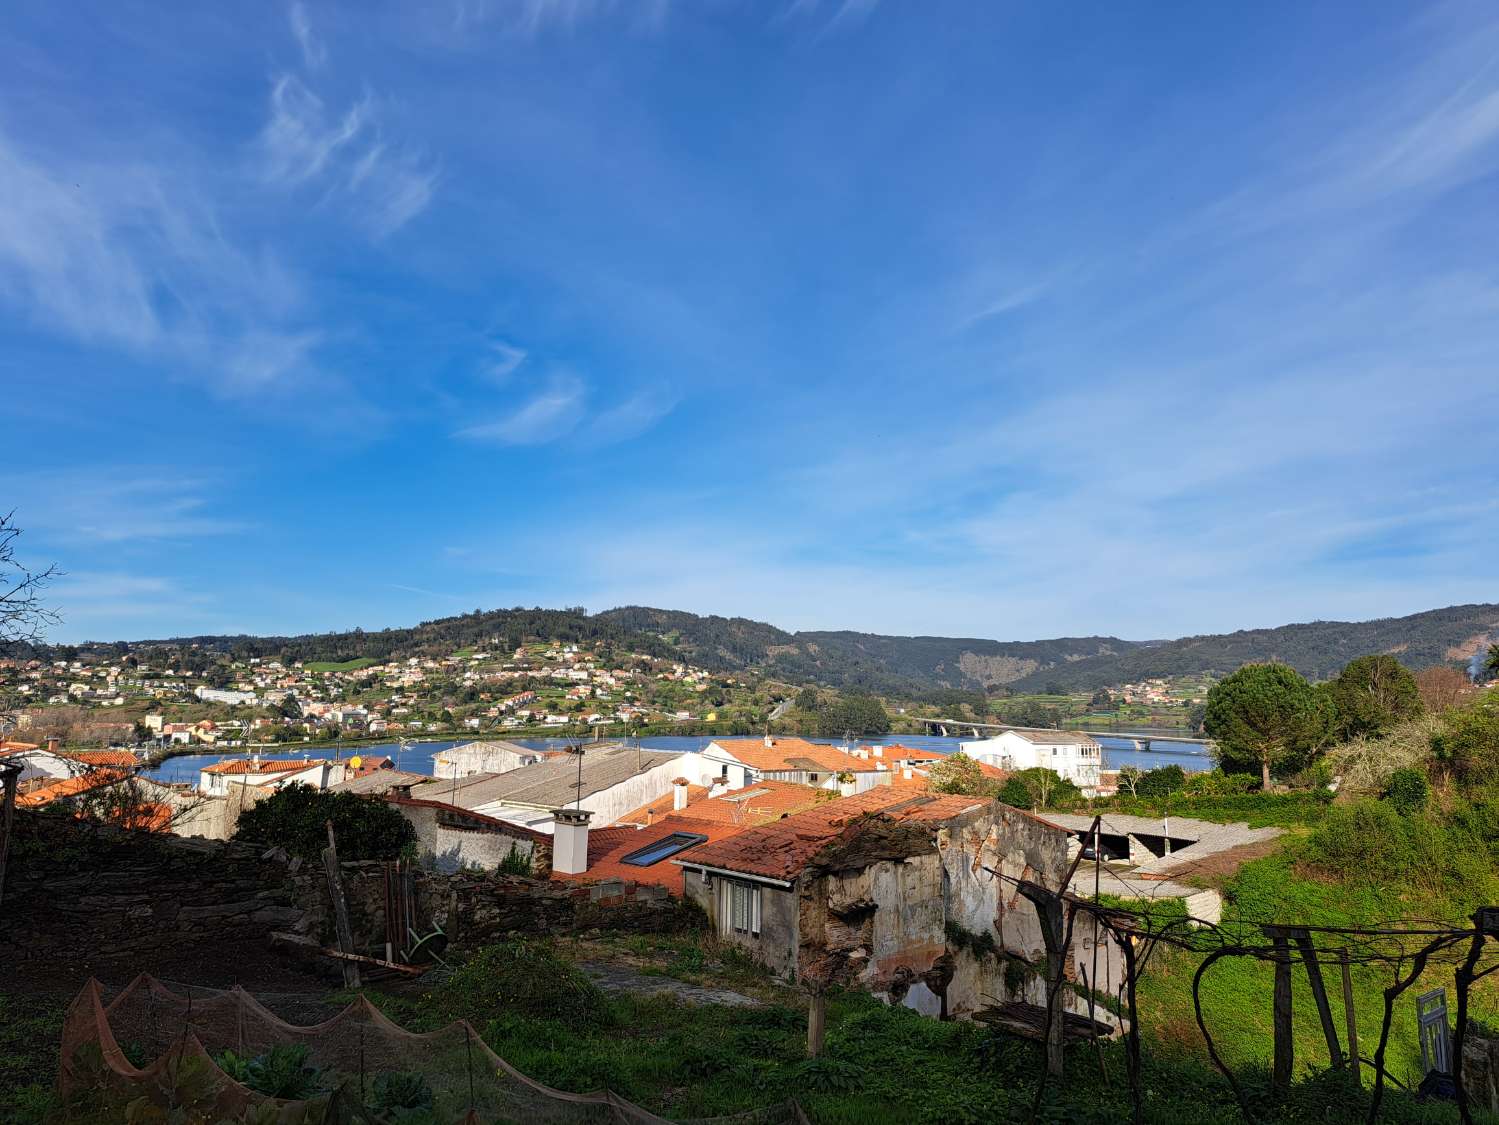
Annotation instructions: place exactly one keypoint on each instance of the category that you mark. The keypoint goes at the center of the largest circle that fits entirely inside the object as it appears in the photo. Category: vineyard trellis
(1408, 947)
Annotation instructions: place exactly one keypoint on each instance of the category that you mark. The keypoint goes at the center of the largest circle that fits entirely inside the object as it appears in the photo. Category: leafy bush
(1372, 694)
(515, 862)
(519, 978)
(401, 1093)
(1161, 782)
(296, 818)
(1468, 749)
(281, 1072)
(1408, 791)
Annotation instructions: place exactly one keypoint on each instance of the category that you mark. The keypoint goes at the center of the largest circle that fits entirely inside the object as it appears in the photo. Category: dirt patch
(621, 978)
(1213, 870)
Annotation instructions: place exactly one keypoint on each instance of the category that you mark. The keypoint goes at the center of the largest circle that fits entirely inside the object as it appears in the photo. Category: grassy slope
(1237, 990)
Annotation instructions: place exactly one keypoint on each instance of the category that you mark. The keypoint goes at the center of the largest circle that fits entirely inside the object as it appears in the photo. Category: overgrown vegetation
(880, 1065)
(296, 818)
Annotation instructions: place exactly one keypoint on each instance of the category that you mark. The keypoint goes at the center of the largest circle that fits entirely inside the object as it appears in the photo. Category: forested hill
(860, 660)
(873, 661)
(1317, 649)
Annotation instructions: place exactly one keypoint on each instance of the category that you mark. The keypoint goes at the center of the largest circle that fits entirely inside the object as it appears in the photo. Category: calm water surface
(417, 757)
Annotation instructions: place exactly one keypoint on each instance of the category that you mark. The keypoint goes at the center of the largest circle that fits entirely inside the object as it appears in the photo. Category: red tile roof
(661, 806)
(757, 803)
(267, 765)
(120, 759)
(782, 849)
(68, 787)
(607, 848)
(790, 754)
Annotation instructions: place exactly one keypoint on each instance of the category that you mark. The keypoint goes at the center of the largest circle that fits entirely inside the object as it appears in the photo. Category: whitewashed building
(482, 757)
(1067, 753)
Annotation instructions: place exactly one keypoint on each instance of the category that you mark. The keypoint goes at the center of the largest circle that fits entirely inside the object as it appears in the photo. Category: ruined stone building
(893, 890)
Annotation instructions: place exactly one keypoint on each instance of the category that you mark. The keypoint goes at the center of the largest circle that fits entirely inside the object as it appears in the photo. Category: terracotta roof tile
(607, 848)
(782, 753)
(122, 759)
(782, 849)
(265, 765)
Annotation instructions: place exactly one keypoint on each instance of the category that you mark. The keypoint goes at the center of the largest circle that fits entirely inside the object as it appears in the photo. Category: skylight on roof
(745, 796)
(664, 848)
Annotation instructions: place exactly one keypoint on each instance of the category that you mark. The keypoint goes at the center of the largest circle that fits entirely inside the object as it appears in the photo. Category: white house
(268, 773)
(482, 757)
(1069, 754)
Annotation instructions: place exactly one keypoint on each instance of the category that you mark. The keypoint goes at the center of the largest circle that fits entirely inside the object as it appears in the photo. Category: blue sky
(991, 319)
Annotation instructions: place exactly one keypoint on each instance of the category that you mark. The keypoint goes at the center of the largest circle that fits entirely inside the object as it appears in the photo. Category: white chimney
(570, 841)
(679, 794)
(769, 741)
(879, 751)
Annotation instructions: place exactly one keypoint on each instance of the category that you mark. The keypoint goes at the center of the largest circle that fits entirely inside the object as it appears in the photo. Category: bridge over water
(954, 728)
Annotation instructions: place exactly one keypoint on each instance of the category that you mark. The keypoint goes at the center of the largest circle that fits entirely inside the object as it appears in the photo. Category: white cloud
(117, 505)
(314, 54)
(633, 416)
(550, 413)
(346, 154)
(503, 361)
(129, 256)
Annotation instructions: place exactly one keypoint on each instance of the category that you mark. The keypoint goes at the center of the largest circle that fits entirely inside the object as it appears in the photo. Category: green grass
(1236, 991)
(30, 1037)
(340, 666)
(879, 1065)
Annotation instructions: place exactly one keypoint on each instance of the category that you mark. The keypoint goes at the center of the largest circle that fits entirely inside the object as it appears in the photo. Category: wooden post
(1303, 941)
(1351, 1017)
(1048, 906)
(340, 910)
(817, 1015)
(1285, 1049)
(11, 773)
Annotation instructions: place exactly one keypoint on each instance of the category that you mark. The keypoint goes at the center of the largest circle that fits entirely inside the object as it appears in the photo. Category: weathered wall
(775, 946)
(450, 841)
(77, 891)
(74, 890)
(474, 908)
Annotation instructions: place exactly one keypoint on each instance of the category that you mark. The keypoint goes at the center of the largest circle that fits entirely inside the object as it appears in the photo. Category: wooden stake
(11, 774)
(817, 1015)
(340, 909)
(1303, 941)
(1285, 1049)
(1351, 1016)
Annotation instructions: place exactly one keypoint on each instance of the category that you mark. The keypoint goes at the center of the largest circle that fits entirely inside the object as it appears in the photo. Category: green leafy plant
(1408, 791)
(296, 818)
(516, 862)
(281, 1072)
(401, 1094)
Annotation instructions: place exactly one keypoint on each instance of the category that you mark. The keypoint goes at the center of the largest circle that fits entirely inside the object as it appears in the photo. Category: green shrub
(1162, 782)
(281, 1072)
(515, 862)
(296, 818)
(519, 978)
(401, 1093)
(1408, 791)
(1468, 747)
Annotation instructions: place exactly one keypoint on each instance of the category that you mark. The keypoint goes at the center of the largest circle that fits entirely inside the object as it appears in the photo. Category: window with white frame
(740, 904)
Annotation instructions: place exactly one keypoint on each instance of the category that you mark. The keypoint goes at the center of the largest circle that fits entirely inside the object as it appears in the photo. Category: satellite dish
(356, 761)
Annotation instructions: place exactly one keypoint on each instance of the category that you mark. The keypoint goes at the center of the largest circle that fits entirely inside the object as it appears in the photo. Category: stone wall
(73, 890)
(76, 891)
(472, 908)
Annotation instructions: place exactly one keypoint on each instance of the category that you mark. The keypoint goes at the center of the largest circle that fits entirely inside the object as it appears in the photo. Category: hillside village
(198, 700)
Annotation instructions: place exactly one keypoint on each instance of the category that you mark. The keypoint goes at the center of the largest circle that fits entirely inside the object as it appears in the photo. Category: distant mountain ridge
(876, 662)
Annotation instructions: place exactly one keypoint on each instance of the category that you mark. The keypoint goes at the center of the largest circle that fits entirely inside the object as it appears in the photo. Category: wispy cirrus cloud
(633, 416)
(548, 413)
(118, 505)
(314, 54)
(533, 17)
(132, 256)
(503, 360)
(345, 154)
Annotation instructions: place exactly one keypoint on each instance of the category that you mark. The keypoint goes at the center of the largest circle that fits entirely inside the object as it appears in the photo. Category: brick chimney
(570, 841)
(679, 794)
